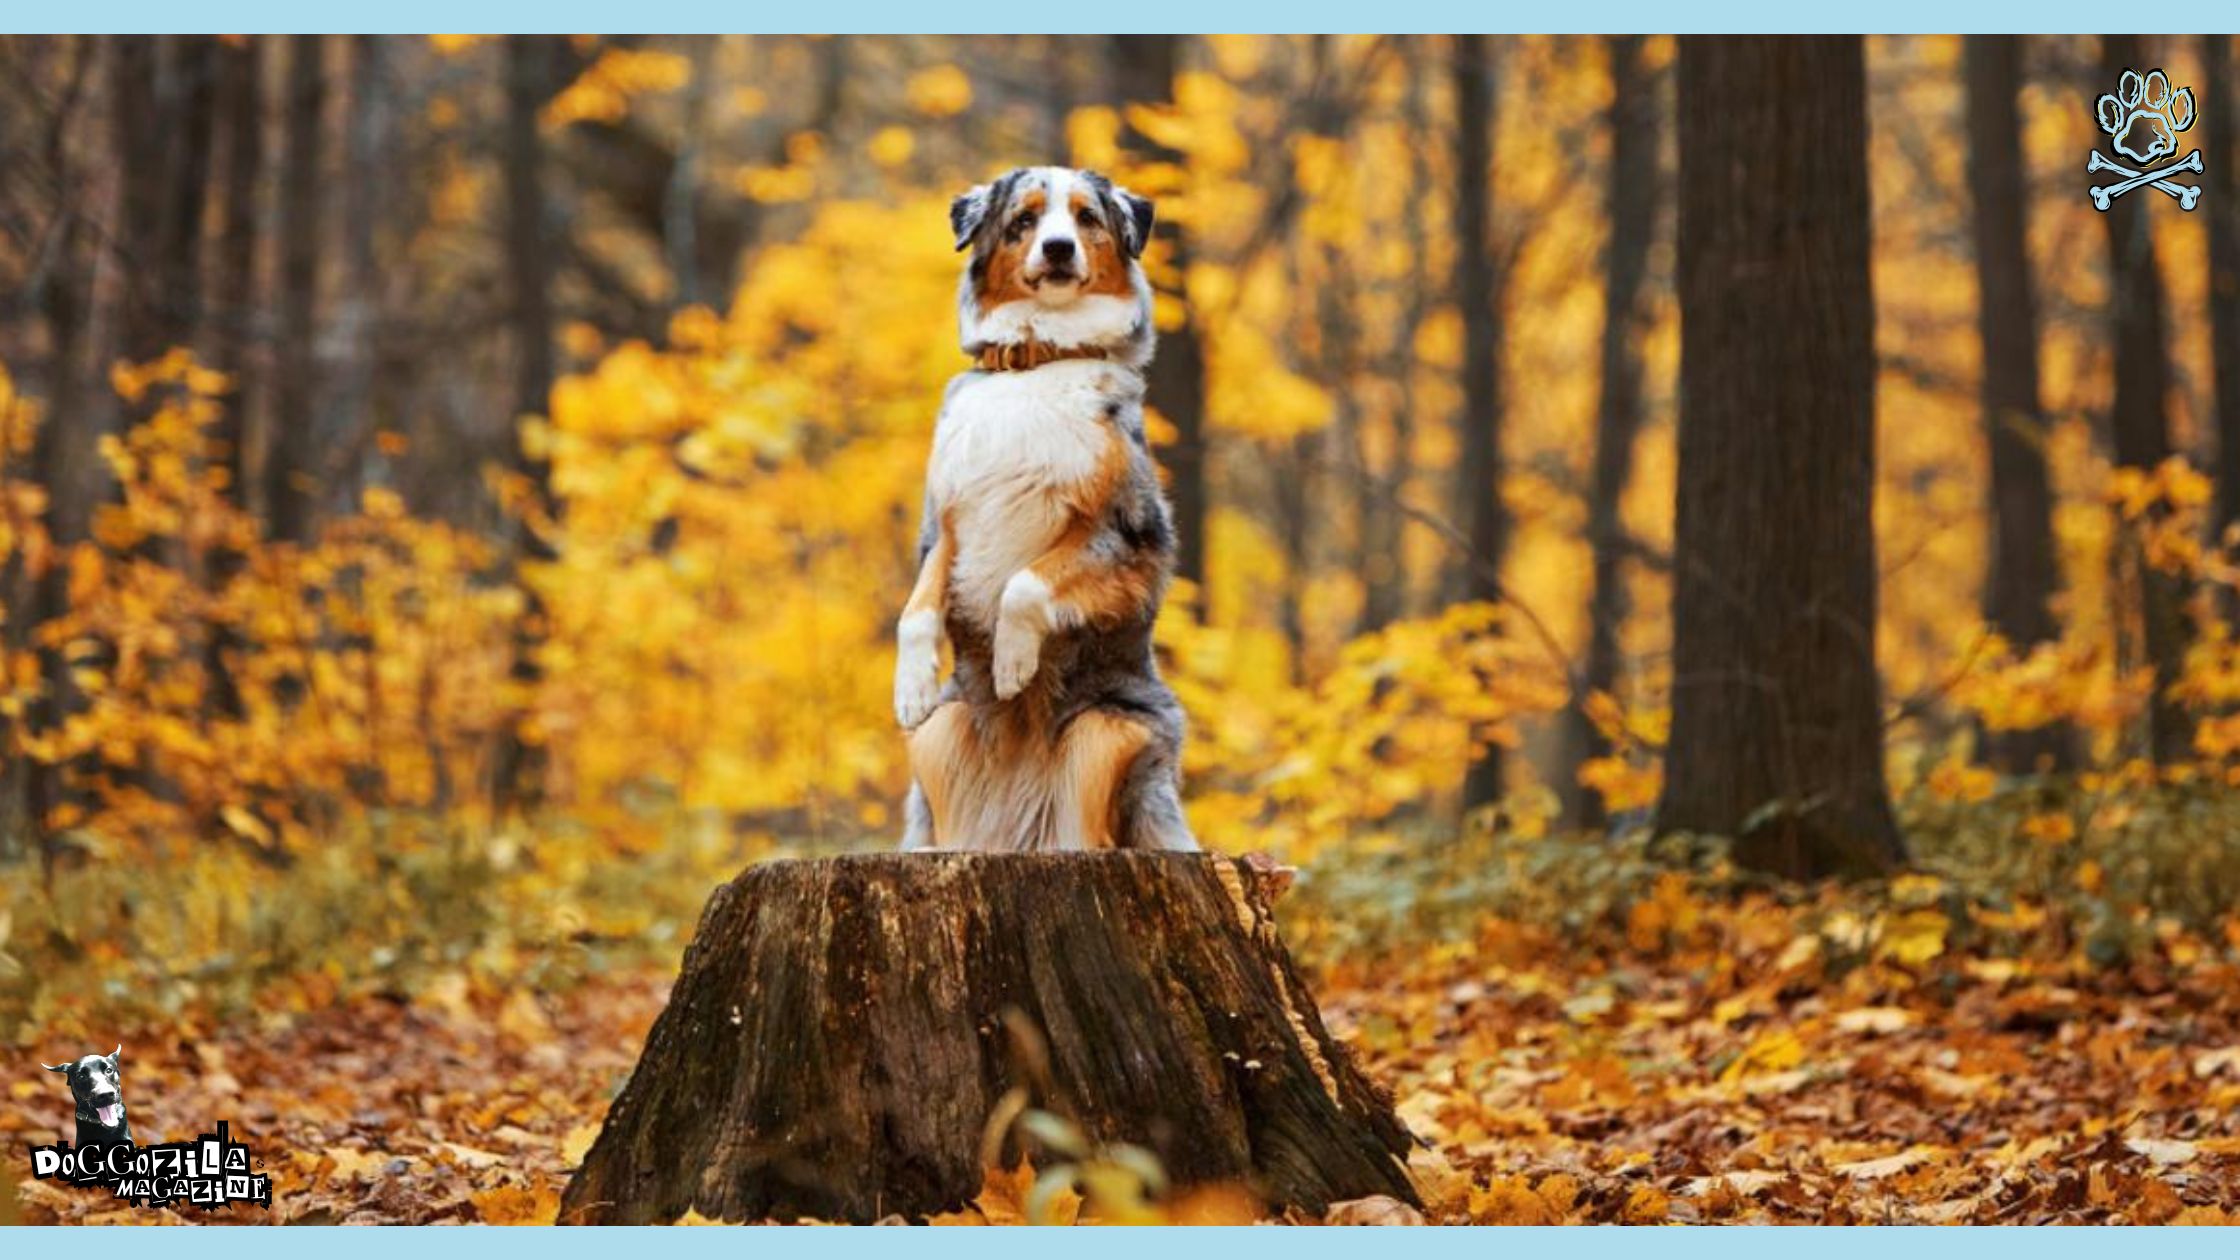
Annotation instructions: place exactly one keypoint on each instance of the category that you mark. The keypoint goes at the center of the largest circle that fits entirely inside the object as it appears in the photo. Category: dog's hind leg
(1149, 808)
(917, 821)
(937, 752)
(1121, 788)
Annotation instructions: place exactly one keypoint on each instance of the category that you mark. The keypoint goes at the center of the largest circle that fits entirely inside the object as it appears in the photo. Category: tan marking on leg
(921, 629)
(940, 750)
(1095, 755)
(931, 593)
(1081, 591)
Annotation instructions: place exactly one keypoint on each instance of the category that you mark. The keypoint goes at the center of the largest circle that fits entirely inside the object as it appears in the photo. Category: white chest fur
(1008, 453)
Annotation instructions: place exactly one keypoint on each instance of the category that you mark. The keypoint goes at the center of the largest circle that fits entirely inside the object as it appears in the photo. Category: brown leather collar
(1020, 356)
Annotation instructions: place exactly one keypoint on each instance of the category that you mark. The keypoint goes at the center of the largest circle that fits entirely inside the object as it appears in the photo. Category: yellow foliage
(942, 91)
(603, 92)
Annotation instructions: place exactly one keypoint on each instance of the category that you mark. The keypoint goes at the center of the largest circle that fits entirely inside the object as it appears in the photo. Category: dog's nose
(1058, 249)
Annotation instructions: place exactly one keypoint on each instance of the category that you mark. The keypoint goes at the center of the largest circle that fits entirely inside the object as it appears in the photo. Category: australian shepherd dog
(1046, 545)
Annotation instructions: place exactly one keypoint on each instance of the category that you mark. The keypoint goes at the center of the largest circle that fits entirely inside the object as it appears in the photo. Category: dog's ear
(968, 212)
(115, 1054)
(56, 1067)
(1135, 221)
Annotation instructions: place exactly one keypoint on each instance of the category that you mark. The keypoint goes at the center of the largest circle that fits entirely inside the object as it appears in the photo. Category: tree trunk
(65, 455)
(190, 124)
(1143, 72)
(2024, 573)
(1776, 724)
(290, 489)
(67, 464)
(531, 67)
(357, 315)
(2221, 105)
(1387, 591)
(1631, 198)
(2140, 424)
(241, 109)
(835, 1043)
(137, 98)
(1478, 487)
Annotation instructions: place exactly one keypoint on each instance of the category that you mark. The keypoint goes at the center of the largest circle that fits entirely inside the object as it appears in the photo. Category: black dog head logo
(2144, 115)
(97, 1086)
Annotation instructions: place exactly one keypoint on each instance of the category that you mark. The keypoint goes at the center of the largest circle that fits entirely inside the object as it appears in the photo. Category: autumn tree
(2018, 595)
(1143, 69)
(60, 295)
(1385, 578)
(137, 140)
(1776, 727)
(2140, 425)
(1479, 472)
(240, 124)
(290, 485)
(2221, 116)
(529, 70)
(1630, 201)
(188, 122)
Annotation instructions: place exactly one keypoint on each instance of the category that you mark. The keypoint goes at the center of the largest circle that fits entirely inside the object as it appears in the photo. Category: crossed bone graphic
(2103, 195)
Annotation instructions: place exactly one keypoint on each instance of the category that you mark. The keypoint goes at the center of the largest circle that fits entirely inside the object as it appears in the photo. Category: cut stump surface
(836, 1040)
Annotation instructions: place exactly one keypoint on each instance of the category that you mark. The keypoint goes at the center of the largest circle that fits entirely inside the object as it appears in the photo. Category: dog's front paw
(917, 670)
(1018, 655)
(1021, 622)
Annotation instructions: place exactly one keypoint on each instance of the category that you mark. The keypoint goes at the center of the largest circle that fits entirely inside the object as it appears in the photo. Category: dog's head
(1053, 258)
(98, 1087)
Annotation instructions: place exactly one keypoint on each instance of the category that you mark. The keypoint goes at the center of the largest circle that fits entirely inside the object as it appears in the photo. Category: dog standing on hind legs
(1046, 544)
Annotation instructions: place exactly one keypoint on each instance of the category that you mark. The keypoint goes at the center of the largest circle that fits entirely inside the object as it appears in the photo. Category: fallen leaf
(1377, 1209)
(1879, 1020)
(1887, 1166)
(2164, 1151)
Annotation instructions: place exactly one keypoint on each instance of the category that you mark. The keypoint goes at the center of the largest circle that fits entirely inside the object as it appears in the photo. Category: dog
(1046, 545)
(98, 1089)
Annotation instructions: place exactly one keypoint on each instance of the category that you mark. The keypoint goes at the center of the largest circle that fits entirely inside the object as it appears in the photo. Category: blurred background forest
(456, 492)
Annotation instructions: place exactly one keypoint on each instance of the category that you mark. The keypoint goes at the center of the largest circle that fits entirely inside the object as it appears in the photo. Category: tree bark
(1776, 724)
(2024, 573)
(1631, 196)
(289, 486)
(835, 1043)
(2140, 424)
(1478, 487)
(1143, 72)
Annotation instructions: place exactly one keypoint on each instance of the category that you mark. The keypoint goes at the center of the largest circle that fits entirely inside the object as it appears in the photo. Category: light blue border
(868, 16)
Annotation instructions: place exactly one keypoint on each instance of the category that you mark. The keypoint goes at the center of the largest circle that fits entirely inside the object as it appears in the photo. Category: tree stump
(836, 1040)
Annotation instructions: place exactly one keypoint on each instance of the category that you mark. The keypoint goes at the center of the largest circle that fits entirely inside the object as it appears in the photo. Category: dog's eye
(1085, 219)
(1020, 223)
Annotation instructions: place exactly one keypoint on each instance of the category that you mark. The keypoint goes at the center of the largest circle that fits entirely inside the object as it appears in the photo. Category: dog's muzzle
(1058, 256)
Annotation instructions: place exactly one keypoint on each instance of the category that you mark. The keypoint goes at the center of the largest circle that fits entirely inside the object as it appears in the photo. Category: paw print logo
(2144, 116)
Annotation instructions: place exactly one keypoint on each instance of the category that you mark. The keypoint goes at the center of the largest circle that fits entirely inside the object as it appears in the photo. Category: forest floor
(1736, 1059)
